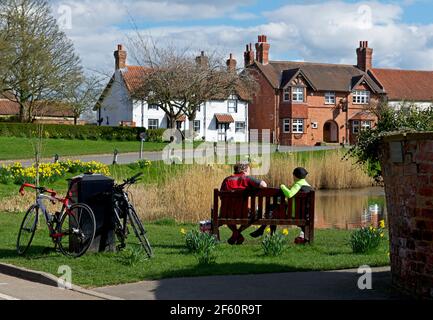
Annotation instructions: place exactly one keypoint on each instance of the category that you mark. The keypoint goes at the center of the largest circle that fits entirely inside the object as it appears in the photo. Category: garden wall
(408, 172)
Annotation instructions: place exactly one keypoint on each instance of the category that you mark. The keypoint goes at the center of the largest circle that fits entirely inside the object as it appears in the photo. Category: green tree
(39, 61)
(406, 117)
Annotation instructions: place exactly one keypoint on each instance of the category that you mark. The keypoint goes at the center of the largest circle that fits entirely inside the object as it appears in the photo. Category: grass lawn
(12, 148)
(329, 252)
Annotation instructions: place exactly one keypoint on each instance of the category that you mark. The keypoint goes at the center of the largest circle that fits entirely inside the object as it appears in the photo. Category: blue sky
(401, 32)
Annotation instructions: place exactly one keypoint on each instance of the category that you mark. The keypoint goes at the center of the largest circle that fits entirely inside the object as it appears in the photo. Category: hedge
(89, 132)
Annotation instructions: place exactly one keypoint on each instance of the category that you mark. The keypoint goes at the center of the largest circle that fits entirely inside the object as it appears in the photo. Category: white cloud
(317, 31)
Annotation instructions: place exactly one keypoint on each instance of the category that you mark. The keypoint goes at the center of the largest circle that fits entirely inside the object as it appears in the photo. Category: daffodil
(183, 231)
(382, 224)
(286, 232)
(268, 230)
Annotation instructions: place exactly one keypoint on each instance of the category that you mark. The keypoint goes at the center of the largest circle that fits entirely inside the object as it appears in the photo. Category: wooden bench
(233, 207)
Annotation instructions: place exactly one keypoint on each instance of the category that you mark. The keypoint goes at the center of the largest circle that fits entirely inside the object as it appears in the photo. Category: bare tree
(40, 61)
(83, 96)
(180, 83)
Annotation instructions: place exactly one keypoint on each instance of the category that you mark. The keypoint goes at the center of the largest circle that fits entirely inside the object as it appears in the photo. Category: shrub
(202, 245)
(274, 245)
(367, 239)
(55, 131)
(406, 118)
(140, 164)
(154, 135)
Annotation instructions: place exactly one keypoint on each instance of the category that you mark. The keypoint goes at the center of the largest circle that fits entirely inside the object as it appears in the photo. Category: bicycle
(72, 229)
(124, 211)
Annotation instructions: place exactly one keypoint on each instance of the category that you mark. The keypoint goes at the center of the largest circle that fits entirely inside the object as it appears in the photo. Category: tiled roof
(134, 76)
(224, 118)
(406, 84)
(363, 115)
(51, 109)
(324, 77)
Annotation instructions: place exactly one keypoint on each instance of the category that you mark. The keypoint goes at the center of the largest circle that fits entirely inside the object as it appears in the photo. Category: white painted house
(217, 120)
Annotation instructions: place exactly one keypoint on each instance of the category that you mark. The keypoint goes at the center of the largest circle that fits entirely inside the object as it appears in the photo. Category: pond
(349, 209)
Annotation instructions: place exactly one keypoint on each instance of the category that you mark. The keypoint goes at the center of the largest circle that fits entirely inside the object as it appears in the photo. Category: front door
(222, 131)
(330, 132)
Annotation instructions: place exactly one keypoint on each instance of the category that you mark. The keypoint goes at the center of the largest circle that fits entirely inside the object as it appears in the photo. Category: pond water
(349, 209)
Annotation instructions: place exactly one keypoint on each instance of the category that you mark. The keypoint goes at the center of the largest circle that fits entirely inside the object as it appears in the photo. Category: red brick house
(305, 103)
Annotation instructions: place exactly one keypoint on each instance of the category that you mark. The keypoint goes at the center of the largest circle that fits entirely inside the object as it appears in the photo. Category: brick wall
(408, 173)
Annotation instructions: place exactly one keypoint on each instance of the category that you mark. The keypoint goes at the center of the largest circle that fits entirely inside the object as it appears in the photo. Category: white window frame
(287, 124)
(298, 94)
(196, 127)
(356, 126)
(152, 126)
(240, 129)
(152, 107)
(298, 125)
(361, 97)
(286, 94)
(330, 97)
(366, 124)
(232, 104)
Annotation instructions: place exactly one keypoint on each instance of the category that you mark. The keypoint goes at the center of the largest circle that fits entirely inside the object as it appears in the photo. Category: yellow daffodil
(382, 235)
(183, 231)
(285, 232)
(268, 230)
(382, 224)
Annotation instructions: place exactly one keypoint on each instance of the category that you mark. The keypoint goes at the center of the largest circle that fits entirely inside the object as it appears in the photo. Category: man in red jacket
(240, 180)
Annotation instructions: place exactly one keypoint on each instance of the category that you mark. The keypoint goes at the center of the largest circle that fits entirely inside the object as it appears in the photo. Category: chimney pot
(262, 47)
(364, 56)
(120, 56)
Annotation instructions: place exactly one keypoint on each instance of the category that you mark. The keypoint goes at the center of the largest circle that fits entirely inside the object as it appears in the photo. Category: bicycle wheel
(27, 229)
(120, 228)
(76, 230)
(139, 231)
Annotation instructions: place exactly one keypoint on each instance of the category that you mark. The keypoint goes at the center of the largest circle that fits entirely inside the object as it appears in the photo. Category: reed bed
(184, 193)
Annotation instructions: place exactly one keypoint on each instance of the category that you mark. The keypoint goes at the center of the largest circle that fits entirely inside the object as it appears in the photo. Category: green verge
(329, 252)
(12, 148)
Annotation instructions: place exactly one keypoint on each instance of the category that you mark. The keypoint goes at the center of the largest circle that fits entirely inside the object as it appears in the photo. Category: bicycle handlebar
(131, 180)
(40, 189)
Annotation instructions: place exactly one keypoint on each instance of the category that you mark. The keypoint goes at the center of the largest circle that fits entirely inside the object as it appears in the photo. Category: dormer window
(361, 97)
(232, 104)
(298, 94)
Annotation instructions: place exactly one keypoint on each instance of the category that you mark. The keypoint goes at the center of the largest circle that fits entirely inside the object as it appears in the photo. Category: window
(286, 94)
(152, 107)
(298, 126)
(355, 126)
(196, 125)
(239, 126)
(365, 125)
(232, 106)
(358, 125)
(298, 94)
(329, 97)
(286, 125)
(153, 124)
(361, 97)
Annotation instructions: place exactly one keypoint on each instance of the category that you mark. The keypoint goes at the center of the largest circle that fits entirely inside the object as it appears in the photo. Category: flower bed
(49, 172)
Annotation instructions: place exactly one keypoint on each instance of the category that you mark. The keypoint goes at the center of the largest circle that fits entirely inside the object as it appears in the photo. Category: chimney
(262, 50)
(202, 60)
(249, 55)
(365, 56)
(231, 64)
(120, 57)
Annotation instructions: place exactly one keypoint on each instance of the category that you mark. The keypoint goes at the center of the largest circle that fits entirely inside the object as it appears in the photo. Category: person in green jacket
(299, 175)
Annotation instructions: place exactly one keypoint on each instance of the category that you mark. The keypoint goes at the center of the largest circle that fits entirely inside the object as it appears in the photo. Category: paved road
(340, 285)
(12, 288)
(126, 158)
